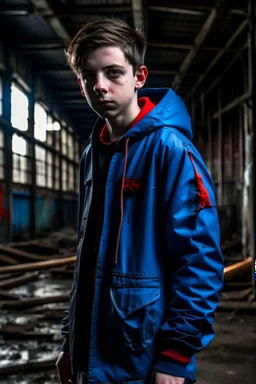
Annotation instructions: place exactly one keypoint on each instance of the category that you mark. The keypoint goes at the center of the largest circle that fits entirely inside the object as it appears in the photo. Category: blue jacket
(159, 269)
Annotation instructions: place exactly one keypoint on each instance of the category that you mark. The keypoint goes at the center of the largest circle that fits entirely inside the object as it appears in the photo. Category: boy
(149, 267)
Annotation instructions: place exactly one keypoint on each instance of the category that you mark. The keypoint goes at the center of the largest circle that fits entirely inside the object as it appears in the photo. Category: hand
(163, 378)
(64, 369)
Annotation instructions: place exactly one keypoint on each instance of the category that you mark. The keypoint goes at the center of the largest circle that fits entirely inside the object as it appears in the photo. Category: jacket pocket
(134, 310)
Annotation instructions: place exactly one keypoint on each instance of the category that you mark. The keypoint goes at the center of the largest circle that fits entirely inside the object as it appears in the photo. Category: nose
(101, 85)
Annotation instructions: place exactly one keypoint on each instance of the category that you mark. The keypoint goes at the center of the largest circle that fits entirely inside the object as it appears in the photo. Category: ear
(81, 86)
(141, 76)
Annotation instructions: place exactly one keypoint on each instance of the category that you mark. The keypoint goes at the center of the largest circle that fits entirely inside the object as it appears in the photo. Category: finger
(66, 378)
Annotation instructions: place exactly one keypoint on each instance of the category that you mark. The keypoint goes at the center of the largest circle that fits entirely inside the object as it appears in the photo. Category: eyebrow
(107, 67)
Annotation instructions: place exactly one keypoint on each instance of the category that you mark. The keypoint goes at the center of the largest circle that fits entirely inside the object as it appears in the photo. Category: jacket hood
(170, 111)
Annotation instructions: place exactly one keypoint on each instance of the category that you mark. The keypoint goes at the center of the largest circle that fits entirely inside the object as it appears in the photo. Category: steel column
(7, 81)
(209, 151)
(252, 128)
(220, 153)
(33, 188)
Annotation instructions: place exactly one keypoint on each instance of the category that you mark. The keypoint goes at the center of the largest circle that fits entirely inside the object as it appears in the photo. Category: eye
(114, 73)
(87, 76)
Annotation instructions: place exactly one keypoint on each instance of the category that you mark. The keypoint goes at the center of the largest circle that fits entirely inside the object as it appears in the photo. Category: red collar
(146, 106)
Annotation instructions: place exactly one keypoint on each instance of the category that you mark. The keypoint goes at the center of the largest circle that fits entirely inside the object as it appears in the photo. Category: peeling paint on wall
(45, 211)
(4, 212)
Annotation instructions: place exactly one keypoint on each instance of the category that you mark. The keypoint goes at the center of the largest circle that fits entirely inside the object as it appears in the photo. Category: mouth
(105, 102)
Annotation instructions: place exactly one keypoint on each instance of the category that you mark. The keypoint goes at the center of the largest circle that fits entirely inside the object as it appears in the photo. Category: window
(70, 146)
(77, 151)
(56, 172)
(19, 108)
(20, 170)
(64, 141)
(56, 128)
(19, 145)
(1, 154)
(40, 166)
(64, 175)
(49, 131)
(49, 169)
(40, 122)
(71, 177)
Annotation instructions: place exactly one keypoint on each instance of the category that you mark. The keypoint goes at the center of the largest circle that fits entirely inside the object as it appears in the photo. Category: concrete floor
(231, 357)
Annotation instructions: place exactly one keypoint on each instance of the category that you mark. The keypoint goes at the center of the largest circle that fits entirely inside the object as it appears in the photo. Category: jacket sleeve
(193, 259)
(84, 164)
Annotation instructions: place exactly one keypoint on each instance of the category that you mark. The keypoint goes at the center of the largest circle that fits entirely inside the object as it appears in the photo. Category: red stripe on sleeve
(203, 196)
(176, 355)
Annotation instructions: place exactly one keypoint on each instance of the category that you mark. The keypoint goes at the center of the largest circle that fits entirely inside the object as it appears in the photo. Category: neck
(119, 126)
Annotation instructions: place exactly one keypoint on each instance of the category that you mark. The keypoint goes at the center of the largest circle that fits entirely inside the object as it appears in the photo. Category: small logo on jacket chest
(133, 186)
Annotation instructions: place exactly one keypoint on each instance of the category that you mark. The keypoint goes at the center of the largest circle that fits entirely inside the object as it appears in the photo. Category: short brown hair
(107, 32)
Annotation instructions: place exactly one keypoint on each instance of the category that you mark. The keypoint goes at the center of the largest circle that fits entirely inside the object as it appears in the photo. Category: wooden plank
(21, 254)
(38, 265)
(8, 296)
(31, 366)
(17, 281)
(30, 303)
(6, 276)
(237, 270)
(8, 260)
(237, 306)
(9, 334)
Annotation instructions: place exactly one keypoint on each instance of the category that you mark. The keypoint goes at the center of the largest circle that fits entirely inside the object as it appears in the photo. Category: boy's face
(109, 84)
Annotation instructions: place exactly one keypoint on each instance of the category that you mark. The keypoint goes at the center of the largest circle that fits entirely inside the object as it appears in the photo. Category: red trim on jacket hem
(176, 355)
(203, 196)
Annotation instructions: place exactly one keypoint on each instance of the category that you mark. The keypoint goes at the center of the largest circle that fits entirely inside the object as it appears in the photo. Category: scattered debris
(37, 265)
(20, 254)
(28, 303)
(16, 281)
(34, 303)
(35, 282)
(32, 366)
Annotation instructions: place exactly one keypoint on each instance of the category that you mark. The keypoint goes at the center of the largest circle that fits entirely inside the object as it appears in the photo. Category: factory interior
(206, 52)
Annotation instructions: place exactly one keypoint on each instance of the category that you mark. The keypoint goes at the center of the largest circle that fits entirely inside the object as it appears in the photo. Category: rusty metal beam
(184, 47)
(181, 11)
(34, 49)
(200, 38)
(234, 103)
(191, 11)
(220, 151)
(224, 72)
(237, 33)
(252, 129)
(63, 11)
(43, 8)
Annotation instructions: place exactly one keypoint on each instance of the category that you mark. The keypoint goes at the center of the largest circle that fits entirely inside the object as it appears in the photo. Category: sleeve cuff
(170, 367)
